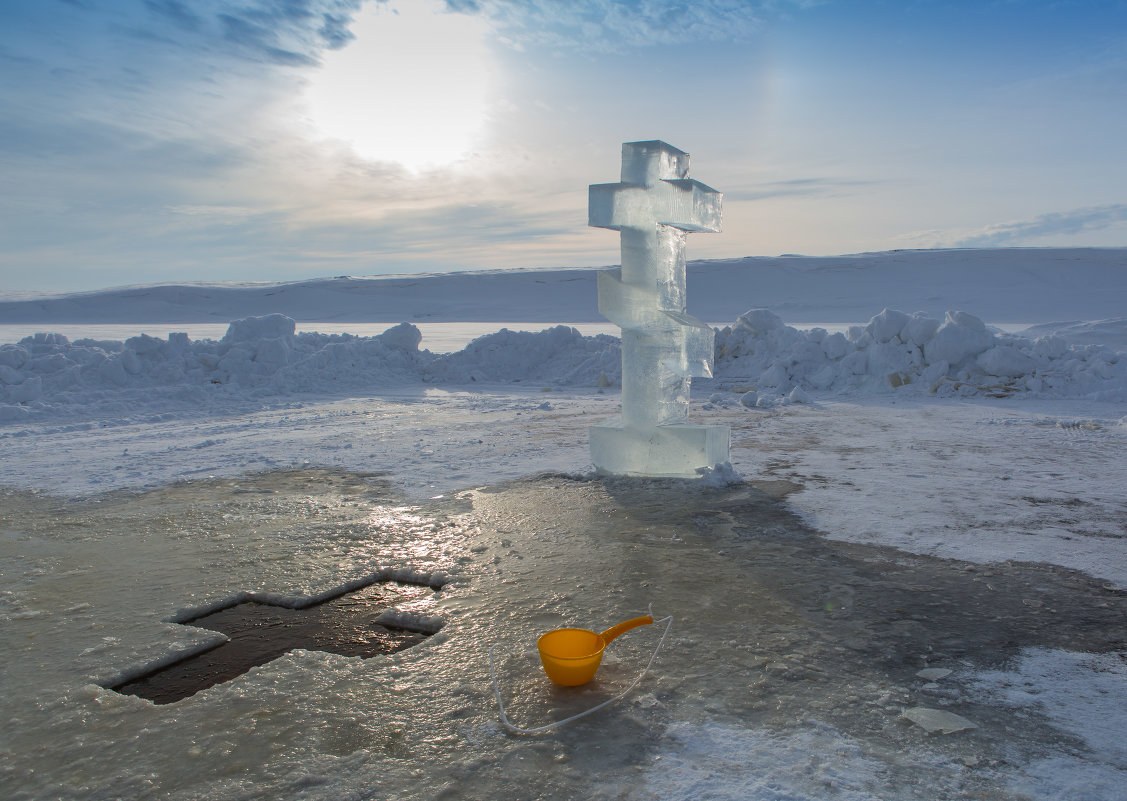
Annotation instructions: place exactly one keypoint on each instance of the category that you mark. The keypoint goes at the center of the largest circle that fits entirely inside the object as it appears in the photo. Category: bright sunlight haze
(411, 88)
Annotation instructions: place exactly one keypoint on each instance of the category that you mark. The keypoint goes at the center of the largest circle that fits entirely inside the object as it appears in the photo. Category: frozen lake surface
(917, 494)
(792, 662)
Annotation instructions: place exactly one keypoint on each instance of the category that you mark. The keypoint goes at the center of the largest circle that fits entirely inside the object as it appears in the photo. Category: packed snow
(47, 376)
(957, 356)
(917, 422)
(262, 358)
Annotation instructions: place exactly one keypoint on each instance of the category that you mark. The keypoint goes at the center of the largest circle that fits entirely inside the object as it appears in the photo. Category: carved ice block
(684, 204)
(667, 451)
(663, 347)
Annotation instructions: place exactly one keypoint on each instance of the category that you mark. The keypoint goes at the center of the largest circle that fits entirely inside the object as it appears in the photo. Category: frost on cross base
(653, 207)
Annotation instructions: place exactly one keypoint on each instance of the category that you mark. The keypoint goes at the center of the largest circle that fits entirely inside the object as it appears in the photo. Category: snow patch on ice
(403, 575)
(411, 621)
(726, 762)
(1082, 694)
(722, 475)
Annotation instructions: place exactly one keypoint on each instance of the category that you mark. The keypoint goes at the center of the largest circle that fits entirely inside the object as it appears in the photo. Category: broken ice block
(938, 720)
(663, 347)
(669, 451)
(933, 674)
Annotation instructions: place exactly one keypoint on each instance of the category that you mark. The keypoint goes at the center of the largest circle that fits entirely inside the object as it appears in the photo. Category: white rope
(540, 729)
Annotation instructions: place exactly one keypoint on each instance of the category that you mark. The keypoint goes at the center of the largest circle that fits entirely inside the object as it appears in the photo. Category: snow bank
(262, 360)
(559, 355)
(959, 356)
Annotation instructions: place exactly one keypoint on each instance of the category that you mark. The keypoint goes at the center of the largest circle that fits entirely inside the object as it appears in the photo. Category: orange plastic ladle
(571, 657)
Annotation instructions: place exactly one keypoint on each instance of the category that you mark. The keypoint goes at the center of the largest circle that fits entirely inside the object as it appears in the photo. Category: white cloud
(285, 32)
(223, 214)
(612, 24)
(1061, 223)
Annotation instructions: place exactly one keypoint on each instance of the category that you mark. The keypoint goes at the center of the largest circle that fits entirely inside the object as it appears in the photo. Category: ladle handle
(624, 626)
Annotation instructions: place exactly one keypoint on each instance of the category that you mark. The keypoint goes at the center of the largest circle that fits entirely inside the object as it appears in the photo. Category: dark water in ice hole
(262, 632)
(776, 624)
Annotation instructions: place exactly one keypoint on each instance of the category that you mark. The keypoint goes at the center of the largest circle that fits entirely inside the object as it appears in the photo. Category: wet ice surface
(791, 664)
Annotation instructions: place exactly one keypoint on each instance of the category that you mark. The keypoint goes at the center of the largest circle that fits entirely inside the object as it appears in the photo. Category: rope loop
(668, 621)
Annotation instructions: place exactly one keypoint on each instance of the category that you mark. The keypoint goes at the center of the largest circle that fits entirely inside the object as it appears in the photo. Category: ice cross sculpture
(652, 208)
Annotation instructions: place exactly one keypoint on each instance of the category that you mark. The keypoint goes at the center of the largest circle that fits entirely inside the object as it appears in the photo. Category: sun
(411, 88)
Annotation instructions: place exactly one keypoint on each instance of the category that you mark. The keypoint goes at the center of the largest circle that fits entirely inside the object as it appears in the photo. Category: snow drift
(899, 352)
(262, 359)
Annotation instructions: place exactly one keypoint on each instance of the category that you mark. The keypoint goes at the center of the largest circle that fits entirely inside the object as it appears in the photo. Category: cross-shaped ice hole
(261, 632)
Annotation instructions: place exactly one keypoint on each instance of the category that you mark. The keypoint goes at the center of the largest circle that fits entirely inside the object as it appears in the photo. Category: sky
(160, 141)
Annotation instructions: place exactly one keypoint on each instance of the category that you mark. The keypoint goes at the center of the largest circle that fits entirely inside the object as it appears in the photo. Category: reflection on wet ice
(782, 642)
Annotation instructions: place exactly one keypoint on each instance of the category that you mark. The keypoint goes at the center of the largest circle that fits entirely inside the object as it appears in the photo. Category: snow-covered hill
(1010, 285)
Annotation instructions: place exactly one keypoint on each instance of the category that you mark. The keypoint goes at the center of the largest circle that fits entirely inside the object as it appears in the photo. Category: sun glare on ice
(411, 88)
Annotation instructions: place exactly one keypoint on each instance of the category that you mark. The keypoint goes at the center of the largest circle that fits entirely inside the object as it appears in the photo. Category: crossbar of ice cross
(681, 203)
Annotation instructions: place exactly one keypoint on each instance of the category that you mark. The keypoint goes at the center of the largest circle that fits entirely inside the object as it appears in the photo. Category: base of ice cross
(667, 451)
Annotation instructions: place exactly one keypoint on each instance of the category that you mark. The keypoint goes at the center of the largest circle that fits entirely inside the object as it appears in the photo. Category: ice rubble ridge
(958, 356)
(260, 358)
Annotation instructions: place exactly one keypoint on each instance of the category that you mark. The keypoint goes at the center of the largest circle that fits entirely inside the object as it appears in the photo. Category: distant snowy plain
(912, 423)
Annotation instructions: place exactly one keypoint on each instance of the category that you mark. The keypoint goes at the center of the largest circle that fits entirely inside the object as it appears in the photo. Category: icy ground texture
(792, 660)
(1071, 690)
(262, 363)
(987, 480)
(980, 479)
